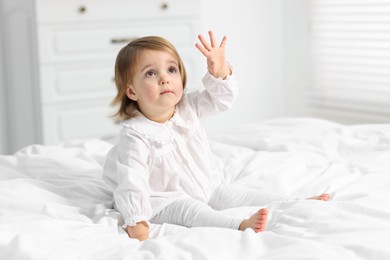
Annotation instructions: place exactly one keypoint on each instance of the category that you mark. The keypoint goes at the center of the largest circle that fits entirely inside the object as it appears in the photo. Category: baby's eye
(150, 73)
(172, 69)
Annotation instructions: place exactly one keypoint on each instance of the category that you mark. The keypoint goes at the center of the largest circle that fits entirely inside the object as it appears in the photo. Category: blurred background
(293, 58)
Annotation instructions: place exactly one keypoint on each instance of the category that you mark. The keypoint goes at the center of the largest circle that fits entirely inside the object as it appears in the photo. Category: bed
(55, 205)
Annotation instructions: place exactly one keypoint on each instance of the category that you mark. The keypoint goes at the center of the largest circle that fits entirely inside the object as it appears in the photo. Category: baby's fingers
(223, 43)
(201, 49)
(205, 44)
(212, 39)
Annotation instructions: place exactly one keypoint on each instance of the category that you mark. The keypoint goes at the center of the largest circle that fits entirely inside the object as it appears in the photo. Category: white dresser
(62, 54)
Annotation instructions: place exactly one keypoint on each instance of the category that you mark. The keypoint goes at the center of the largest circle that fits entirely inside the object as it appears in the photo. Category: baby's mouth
(166, 92)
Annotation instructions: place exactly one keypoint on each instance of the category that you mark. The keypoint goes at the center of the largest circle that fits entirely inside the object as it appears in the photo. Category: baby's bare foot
(257, 221)
(323, 196)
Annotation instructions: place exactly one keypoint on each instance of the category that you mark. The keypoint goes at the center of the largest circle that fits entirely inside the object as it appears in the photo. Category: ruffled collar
(183, 118)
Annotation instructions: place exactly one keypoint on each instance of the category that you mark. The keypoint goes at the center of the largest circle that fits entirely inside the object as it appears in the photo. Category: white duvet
(54, 204)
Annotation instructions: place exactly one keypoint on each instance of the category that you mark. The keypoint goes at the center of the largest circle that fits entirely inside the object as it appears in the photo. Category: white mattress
(54, 204)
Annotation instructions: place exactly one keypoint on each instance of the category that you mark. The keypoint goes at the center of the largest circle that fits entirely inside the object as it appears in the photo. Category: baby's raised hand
(215, 55)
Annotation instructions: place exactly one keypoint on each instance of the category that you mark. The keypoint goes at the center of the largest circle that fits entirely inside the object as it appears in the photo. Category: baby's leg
(257, 221)
(189, 212)
(323, 196)
(226, 196)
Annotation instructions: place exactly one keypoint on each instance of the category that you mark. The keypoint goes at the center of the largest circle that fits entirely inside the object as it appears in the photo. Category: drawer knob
(164, 6)
(123, 40)
(82, 9)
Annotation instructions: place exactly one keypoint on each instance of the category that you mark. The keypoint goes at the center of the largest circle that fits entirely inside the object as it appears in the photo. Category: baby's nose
(164, 80)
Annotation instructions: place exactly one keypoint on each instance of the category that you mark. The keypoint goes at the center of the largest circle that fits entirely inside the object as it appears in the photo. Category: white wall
(253, 28)
(3, 119)
(295, 58)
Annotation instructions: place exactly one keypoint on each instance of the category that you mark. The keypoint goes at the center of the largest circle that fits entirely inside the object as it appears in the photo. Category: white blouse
(154, 164)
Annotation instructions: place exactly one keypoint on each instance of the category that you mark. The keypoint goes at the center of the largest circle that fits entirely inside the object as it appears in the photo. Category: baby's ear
(130, 92)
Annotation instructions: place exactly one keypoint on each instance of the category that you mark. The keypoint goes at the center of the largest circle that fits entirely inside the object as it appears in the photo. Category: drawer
(77, 121)
(86, 81)
(103, 41)
(95, 10)
(72, 82)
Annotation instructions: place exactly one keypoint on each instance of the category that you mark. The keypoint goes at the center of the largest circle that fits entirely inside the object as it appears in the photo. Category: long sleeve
(218, 95)
(132, 191)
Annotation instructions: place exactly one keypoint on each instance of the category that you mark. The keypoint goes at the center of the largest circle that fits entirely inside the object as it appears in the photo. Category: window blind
(350, 55)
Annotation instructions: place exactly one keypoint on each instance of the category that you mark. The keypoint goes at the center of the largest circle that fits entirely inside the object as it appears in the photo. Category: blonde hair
(125, 68)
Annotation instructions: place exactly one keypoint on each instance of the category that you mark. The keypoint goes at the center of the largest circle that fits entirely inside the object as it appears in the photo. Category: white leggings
(189, 212)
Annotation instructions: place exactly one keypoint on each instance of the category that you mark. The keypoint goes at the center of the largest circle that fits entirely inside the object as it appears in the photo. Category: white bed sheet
(55, 205)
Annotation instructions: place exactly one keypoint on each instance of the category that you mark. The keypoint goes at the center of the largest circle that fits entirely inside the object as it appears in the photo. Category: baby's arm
(131, 172)
(215, 55)
(139, 231)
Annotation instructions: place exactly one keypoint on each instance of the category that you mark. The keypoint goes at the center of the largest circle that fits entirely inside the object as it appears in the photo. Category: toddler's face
(157, 85)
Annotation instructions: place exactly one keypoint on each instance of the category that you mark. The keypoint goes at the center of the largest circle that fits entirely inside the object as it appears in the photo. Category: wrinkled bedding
(54, 203)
